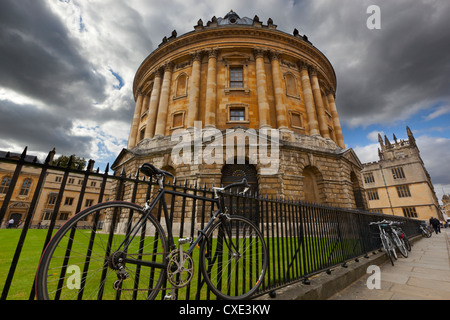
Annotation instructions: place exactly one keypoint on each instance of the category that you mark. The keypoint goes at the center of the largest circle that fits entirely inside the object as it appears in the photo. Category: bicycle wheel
(399, 244)
(387, 244)
(407, 243)
(108, 251)
(234, 258)
(391, 246)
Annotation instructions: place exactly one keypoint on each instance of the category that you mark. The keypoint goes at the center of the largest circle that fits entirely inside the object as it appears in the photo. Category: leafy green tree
(77, 162)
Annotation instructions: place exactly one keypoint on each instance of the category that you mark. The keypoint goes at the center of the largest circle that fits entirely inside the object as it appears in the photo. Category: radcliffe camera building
(246, 75)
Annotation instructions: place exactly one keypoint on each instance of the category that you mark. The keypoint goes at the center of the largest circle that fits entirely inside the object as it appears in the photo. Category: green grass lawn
(281, 251)
(29, 259)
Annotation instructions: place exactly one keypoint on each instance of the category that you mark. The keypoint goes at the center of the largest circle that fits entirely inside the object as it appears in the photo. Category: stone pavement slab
(424, 275)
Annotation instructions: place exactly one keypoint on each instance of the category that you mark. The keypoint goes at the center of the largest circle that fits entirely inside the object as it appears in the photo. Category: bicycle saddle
(150, 170)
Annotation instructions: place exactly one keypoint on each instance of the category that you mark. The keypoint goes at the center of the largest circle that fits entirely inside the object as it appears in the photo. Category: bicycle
(397, 237)
(401, 234)
(425, 231)
(386, 239)
(91, 257)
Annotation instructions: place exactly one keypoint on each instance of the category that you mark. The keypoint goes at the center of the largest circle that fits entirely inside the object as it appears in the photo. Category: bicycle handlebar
(150, 170)
(387, 222)
(243, 183)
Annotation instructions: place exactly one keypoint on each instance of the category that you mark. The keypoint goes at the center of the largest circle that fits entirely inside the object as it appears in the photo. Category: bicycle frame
(148, 208)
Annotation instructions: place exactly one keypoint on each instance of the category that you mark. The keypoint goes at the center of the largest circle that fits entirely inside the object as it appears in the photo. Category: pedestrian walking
(435, 223)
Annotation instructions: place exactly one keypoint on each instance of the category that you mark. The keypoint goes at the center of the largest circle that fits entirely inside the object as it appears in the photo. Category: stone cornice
(246, 37)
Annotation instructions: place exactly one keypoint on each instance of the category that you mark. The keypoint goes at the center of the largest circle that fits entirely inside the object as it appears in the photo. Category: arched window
(232, 173)
(25, 187)
(181, 86)
(312, 185)
(4, 185)
(248, 207)
(291, 85)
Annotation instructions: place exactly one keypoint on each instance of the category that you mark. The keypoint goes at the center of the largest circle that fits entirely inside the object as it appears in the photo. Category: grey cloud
(39, 129)
(405, 63)
(37, 57)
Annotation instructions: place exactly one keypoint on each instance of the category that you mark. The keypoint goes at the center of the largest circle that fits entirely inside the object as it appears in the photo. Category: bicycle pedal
(184, 240)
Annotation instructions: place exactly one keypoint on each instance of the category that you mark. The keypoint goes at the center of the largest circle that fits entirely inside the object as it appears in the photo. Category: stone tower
(399, 183)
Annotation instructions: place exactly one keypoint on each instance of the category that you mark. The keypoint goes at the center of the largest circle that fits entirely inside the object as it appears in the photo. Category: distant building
(20, 202)
(446, 207)
(70, 199)
(399, 184)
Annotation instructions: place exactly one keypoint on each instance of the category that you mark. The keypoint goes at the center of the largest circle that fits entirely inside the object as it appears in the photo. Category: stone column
(280, 107)
(309, 100)
(211, 89)
(263, 103)
(336, 122)
(153, 107)
(323, 124)
(135, 123)
(194, 90)
(161, 121)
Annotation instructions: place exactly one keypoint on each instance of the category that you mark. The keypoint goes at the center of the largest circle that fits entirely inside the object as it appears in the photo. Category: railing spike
(24, 153)
(50, 156)
(69, 163)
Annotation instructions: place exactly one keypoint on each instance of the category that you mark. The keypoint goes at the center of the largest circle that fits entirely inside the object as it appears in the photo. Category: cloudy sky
(67, 69)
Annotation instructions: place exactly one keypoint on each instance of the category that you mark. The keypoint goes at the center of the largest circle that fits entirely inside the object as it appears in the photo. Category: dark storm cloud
(388, 74)
(37, 57)
(39, 129)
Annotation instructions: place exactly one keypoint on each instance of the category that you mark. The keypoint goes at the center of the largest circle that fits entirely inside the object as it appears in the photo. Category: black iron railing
(302, 238)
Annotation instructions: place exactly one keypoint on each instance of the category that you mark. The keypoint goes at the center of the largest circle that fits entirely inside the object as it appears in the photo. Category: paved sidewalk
(424, 275)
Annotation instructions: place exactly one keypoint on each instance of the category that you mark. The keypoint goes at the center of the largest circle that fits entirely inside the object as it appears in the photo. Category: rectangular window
(47, 215)
(64, 216)
(236, 77)
(296, 119)
(410, 212)
(89, 202)
(68, 202)
(403, 191)
(368, 178)
(178, 120)
(237, 114)
(398, 173)
(373, 194)
(51, 200)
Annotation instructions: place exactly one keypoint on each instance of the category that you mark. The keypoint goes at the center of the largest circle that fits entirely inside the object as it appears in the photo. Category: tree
(77, 162)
